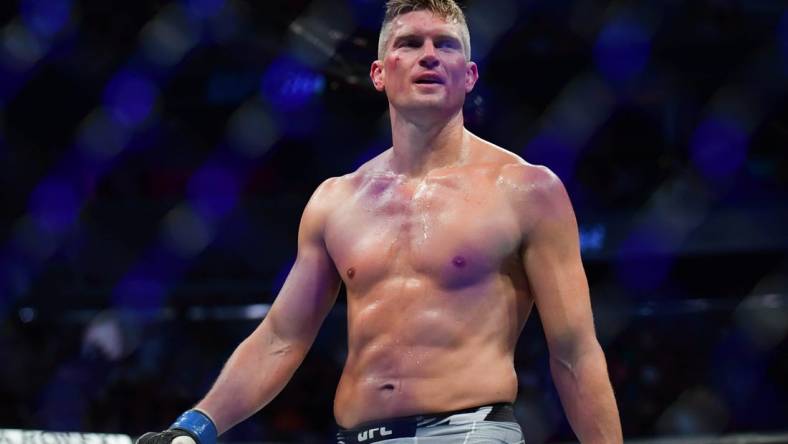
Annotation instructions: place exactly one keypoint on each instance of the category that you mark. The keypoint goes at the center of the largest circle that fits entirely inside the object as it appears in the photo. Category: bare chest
(453, 231)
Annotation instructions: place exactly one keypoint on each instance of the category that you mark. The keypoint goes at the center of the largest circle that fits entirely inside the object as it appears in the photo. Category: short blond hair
(446, 9)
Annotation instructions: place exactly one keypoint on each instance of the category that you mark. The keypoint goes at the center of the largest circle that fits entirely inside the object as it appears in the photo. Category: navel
(351, 272)
(458, 261)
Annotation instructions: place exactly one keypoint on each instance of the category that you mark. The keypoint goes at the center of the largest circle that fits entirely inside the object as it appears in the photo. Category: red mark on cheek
(351, 272)
(458, 261)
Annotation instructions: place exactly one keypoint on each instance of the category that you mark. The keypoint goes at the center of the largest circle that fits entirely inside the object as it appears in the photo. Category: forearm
(256, 372)
(587, 396)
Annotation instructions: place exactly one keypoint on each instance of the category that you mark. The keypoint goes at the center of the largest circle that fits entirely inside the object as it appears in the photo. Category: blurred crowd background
(155, 157)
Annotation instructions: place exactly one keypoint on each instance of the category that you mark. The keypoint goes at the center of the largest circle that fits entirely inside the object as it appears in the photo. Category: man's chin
(427, 102)
(428, 112)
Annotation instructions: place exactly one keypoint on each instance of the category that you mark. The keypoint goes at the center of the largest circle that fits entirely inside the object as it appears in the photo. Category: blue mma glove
(193, 427)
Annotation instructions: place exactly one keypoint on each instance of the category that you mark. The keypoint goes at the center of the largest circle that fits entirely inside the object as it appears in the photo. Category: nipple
(458, 261)
(351, 272)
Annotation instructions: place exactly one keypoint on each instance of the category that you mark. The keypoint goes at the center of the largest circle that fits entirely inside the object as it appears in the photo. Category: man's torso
(436, 291)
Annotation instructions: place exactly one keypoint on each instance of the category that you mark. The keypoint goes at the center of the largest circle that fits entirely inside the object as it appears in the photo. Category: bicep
(312, 284)
(551, 258)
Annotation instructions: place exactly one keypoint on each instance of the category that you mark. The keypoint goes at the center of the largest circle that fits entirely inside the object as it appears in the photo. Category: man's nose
(429, 58)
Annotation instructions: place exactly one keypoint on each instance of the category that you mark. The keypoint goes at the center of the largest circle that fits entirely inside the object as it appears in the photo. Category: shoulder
(324, 200)
(319, 209)
(328, 195)
(536, 194)
(336, 190)
(527, 180)
(517, 176)
(328, 189)
(523, 183)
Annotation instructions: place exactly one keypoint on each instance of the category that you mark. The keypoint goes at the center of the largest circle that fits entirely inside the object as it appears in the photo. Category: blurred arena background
(155, 157)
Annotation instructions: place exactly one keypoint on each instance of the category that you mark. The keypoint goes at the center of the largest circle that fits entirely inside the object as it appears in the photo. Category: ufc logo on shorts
(370, 434)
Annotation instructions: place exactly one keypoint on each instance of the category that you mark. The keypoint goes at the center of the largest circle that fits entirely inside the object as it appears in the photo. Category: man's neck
(420, 147)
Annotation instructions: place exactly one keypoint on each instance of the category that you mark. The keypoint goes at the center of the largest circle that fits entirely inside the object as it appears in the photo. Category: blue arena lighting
(622, 50)
(130, 98)
(553, 151)
(139, 292)
(643, 260)
(739, 374)
(54, 205)
(203, 9)
(15, 279)
(290, 85)
(231, 87)
(592, 238)
(367, 14)
(102, 137)
(31, 245)
(489, 20)
(21, 48)
(251, 130)
(167, 38)
(46, 17)
(719, 147)
(186, 232)
(213, 191)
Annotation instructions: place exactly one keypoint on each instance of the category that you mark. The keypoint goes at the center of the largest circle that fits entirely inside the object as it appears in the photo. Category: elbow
(568, 355)
(562, 368)
(270, 343)
(281, 349)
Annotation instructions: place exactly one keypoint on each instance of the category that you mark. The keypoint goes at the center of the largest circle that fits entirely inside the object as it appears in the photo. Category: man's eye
(447, 44)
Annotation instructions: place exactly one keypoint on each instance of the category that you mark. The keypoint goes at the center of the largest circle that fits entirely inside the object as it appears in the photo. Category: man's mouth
(428, 80)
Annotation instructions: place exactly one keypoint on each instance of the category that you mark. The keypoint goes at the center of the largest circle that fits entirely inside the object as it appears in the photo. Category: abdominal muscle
(417, 349)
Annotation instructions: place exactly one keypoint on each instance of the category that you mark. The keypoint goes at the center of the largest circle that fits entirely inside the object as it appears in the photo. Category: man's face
(424, 66)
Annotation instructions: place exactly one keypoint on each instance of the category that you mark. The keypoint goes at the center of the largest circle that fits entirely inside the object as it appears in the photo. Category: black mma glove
(193, 427)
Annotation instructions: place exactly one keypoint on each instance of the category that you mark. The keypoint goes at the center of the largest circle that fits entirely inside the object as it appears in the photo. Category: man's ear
(471, 76)
(377, 75)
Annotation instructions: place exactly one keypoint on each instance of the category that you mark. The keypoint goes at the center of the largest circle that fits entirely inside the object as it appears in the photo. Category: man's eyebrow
(406, 37)
(448, 37)
(411, 36)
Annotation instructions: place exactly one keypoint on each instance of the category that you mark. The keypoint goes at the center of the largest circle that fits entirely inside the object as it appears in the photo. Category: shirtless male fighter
(444, 243)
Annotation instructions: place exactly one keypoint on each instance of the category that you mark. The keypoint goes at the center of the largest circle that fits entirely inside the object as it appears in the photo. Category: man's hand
(193, 427)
